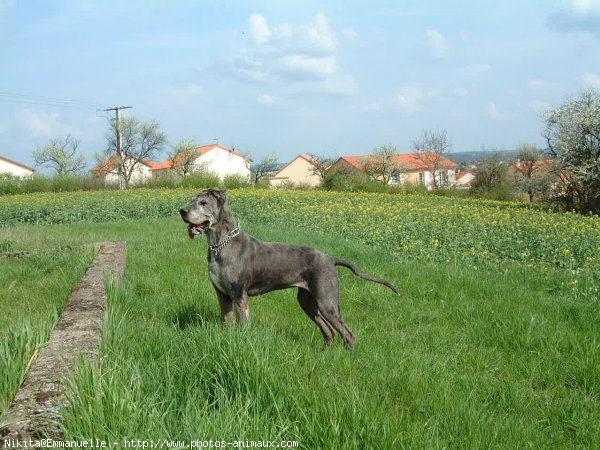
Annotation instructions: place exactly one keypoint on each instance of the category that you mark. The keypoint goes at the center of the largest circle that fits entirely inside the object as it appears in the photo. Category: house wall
(409, 177)
(17, 171)
(413, 177)
(223, 163)
(298, 172)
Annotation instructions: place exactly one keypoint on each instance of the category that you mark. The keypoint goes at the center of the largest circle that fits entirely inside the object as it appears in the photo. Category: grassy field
(34, 289)
(482, 348)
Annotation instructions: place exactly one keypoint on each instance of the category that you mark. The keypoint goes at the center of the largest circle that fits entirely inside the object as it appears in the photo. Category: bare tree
(532, 175)
(431, 148)
(491, 172)
(60, 156)
(183, 157)
(382, 164)
(320, 166)
(140, 141)
(263, 168)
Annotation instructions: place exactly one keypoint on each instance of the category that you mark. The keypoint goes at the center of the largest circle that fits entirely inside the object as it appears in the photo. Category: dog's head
(204, 211)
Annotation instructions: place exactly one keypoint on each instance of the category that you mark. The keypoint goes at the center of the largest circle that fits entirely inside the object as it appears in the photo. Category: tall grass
(19, 345)
(33, 292)
(495, 356)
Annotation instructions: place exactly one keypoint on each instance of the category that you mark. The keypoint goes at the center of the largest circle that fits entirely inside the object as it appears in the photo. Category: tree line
(571, 131)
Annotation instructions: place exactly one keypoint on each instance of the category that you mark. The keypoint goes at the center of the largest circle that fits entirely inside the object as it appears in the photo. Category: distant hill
(462, 158)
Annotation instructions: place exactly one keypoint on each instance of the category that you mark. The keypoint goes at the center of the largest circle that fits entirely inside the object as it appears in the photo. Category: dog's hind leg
(309, 306)
(334, 317)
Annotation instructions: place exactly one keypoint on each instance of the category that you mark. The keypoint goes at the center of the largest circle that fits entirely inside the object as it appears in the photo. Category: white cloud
(266, 99)
(493, 111)
(437, 44)
(42, 124)
(299, 52)
(585, 5)
(590, 79)
(284, 31)
(349, 34)
(461, 91)
(320, 35)
(577, 15)
(259, 28)
(540, 84)
(410, 99)
(310, 65)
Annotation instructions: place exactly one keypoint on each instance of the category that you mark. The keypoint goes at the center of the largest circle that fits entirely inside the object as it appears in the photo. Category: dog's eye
(202, 203)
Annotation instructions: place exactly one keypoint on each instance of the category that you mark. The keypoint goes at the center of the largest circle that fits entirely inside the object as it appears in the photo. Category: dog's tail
(365, 276)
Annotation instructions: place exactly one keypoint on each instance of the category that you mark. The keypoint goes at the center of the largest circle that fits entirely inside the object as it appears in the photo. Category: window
(422, 177)
(396, 178)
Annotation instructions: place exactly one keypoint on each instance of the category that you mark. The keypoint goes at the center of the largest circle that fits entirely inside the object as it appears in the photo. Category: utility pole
(116, 109)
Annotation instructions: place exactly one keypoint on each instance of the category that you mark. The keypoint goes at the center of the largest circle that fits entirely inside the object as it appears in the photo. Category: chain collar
(217, 248)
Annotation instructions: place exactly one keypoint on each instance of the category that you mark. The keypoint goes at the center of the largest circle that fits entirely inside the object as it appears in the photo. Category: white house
(415, 168)
(15, 168)
(464, 179)
(107, 169)
(214, 158)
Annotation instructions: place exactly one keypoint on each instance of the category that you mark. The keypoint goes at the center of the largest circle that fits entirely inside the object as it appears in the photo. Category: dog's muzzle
(194, 229)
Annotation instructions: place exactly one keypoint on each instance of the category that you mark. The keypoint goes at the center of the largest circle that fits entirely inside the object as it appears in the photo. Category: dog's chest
(215, 277)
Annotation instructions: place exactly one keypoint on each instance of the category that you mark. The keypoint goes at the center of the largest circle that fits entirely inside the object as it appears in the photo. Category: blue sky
(326, 77)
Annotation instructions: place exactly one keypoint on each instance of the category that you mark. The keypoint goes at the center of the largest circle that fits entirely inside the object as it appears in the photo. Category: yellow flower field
(415, 226)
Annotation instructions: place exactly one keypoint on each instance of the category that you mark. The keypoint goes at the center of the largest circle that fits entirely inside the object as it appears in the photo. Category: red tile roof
(411, 160)
(203, 149)
(16, 163)
(110, 164)
(541, 165)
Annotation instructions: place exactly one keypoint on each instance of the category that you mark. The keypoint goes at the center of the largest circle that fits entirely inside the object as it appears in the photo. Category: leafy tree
(431, 148)
(60, 156)
(573, 135)
(140, 141)
(382, 164)
(263, 168)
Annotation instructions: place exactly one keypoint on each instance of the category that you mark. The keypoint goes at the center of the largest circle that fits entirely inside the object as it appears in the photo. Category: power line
(13, 97)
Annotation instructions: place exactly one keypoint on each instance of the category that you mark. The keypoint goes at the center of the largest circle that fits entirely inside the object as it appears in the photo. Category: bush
(163, 180)
(37, 183)
(262, 184)
(201, 180)
(235, 181)
(502, 192)
(286, 184)
(66, 183)
(9, 184)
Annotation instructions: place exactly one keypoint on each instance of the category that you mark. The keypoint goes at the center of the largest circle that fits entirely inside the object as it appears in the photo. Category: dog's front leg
(242, 309)
(226, 307)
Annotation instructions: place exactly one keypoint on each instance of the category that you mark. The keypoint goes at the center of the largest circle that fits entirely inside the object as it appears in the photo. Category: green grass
(503, 355)
(34, 289)
(493, 349)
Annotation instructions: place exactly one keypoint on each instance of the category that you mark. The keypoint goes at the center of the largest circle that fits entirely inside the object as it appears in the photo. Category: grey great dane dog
(241, 266)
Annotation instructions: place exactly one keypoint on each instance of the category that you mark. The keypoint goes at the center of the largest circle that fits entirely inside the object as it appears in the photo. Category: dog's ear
(221, 196)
